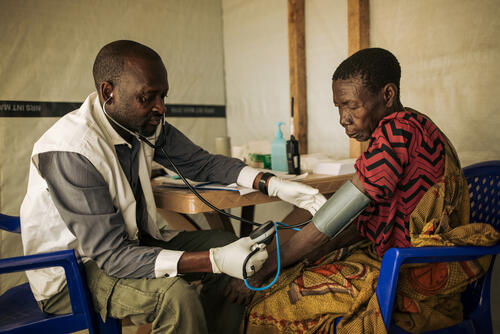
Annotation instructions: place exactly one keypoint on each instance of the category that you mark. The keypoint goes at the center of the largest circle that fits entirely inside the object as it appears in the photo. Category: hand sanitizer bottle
(278, 151)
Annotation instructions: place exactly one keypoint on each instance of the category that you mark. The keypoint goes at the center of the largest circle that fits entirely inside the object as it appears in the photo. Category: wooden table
(172, 201)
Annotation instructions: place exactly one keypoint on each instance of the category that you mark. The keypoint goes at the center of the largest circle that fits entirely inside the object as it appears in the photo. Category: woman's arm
(309, 243)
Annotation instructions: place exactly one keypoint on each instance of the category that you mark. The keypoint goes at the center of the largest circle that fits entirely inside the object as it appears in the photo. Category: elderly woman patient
(415, 195)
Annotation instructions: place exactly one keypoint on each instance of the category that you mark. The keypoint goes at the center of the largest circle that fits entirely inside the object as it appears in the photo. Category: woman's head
(366, 89)
(375, 66)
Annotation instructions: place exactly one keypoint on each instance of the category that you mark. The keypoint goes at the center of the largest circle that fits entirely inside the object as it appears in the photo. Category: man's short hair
(377, 67)
(110, 61)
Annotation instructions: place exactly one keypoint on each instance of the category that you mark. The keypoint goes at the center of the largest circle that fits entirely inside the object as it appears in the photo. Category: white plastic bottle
(278, 151)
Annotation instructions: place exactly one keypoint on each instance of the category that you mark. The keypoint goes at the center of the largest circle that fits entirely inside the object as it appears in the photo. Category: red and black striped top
(404, 159)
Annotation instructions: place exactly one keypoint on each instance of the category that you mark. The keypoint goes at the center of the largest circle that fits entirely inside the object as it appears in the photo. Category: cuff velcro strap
(263, 182)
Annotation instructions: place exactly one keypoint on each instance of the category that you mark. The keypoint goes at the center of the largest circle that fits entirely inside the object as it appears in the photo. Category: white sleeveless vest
(85, 131)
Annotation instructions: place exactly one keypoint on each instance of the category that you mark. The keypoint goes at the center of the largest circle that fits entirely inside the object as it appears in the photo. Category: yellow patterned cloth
(308, 297)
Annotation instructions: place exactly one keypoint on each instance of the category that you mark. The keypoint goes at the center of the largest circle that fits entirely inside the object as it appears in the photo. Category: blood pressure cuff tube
(340, 209)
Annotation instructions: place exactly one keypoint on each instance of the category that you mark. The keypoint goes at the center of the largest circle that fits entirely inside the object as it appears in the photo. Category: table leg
(178, 221)
(217, 221)
(247, 212)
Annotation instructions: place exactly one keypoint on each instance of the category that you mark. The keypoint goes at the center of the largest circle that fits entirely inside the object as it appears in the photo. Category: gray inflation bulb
(340, 209)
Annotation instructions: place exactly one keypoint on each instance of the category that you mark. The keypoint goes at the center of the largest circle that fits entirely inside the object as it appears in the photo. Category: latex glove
(298, 194)
(229, 259)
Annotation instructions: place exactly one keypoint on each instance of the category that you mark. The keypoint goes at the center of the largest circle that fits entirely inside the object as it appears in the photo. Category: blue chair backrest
(484, 190)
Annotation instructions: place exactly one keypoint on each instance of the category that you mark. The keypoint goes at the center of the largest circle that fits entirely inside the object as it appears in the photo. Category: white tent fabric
(256, 66)
(449, 54)
(448, 51)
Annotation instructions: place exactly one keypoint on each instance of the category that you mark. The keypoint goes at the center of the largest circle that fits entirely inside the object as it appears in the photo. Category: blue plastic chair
(484, 190)
(19, 312)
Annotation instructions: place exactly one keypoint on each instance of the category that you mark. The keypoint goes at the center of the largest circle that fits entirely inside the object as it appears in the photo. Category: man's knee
(182, 295)
(181, 308)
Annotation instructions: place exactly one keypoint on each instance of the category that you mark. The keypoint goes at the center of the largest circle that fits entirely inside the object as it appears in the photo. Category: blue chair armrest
(395, 257)
(65, 259)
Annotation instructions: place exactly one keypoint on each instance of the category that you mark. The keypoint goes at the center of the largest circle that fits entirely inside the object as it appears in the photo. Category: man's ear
(390, 92)
(106, 90)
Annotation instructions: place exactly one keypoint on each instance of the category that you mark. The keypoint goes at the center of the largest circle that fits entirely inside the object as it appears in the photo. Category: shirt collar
(101, 118)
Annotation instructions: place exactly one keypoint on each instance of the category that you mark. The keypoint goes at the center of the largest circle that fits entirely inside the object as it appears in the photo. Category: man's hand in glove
(296, 193)
(229, 259)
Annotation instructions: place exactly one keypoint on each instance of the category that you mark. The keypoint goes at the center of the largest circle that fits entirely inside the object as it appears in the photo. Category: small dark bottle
(292, 155)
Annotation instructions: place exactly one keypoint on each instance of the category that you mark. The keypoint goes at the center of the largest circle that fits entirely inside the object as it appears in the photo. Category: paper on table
(168, 181)
(335, 167)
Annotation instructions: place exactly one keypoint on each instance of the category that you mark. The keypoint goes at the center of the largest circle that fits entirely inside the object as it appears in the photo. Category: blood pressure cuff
(340, 209)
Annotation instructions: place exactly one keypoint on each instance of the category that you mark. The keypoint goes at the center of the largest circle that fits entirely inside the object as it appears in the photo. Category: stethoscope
(264, 233)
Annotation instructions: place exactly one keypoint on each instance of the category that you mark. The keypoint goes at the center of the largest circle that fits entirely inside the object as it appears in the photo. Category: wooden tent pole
(358, 35)
(297, 59)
